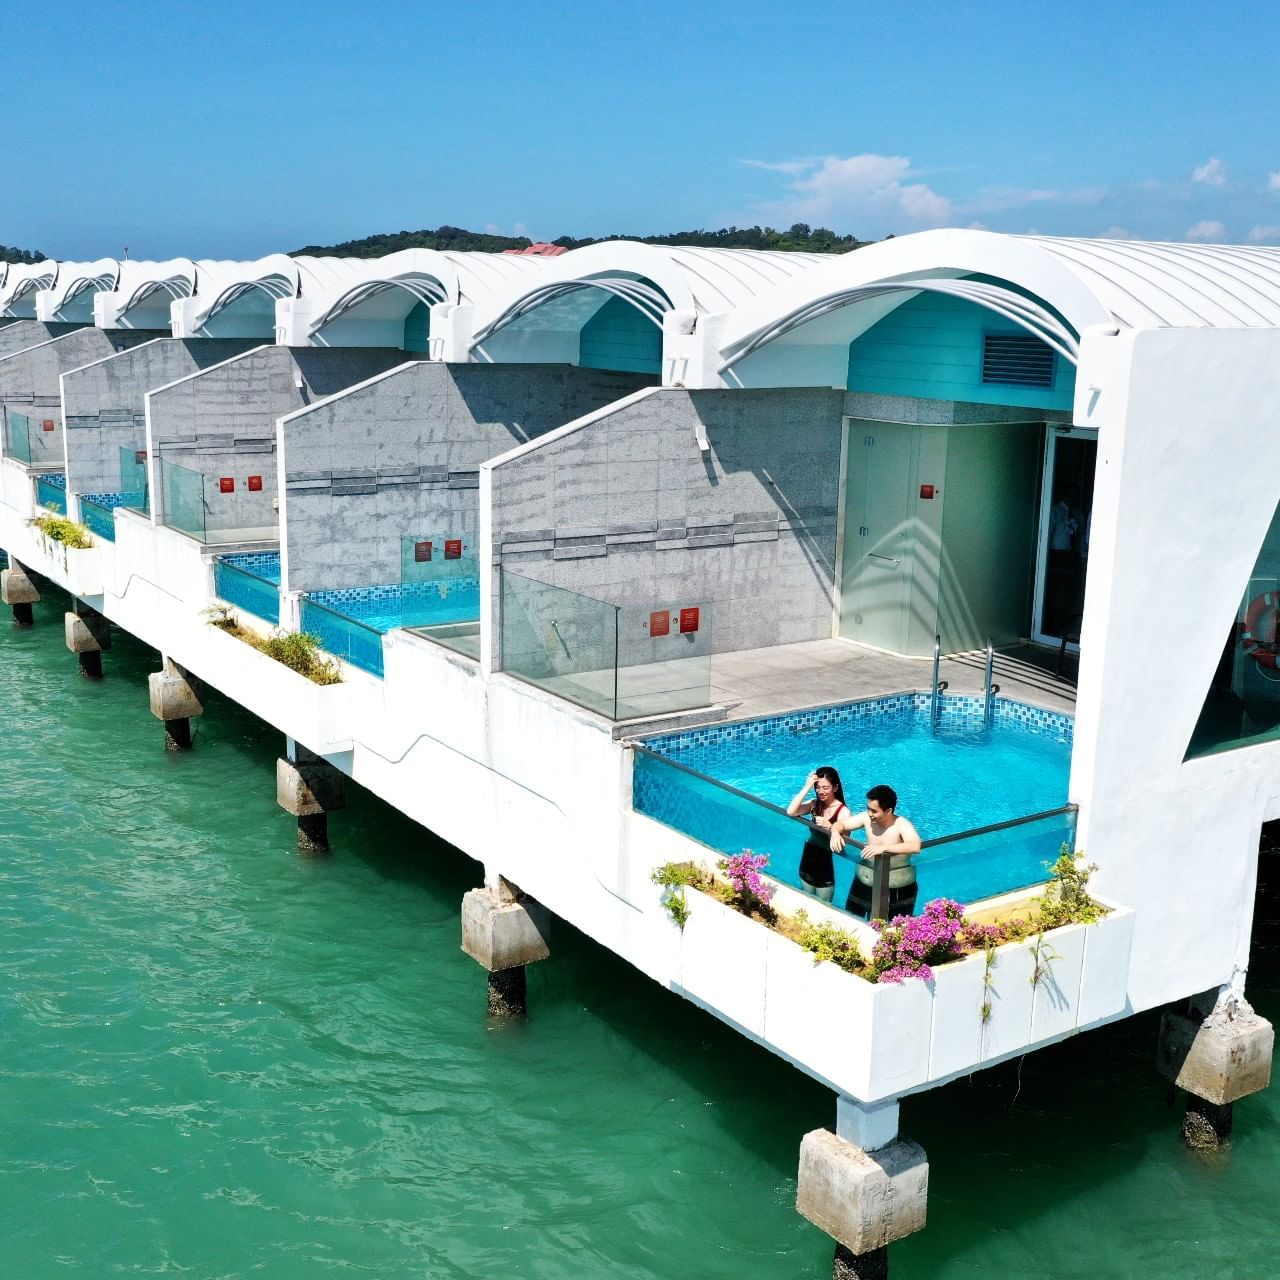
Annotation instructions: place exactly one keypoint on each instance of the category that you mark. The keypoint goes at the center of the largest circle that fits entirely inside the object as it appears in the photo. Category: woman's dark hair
(837, 789)
(885, 797)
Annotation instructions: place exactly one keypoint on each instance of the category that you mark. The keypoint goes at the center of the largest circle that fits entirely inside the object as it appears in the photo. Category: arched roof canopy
(144, 294)
(21, 284)
(70, 297)
(1052, 288)
(243, 290)
(653, 280)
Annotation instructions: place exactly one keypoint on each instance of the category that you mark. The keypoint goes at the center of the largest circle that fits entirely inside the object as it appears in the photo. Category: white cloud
(869, 194)
(520, 230)
(492, 228)
(1273, 182)
(1116, 233)
(1212, 174)
(1207, 230)
(1263, 235)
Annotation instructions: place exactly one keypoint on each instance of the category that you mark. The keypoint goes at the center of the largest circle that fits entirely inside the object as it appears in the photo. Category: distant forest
(800, 236)
(9, 254)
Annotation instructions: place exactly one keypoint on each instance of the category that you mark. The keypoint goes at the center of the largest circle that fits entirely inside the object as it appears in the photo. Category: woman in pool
(828, 810)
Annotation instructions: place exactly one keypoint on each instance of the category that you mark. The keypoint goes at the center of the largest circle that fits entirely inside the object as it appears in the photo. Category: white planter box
(317, 716)
(881, 1040)
(17, 490)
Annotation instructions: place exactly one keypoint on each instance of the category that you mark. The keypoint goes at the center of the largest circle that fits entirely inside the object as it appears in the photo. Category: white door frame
(1051, 436)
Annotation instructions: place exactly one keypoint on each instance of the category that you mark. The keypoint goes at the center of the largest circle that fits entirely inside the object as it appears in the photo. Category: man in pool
(887, 836)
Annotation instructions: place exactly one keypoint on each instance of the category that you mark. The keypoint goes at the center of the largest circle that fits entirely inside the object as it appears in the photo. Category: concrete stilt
(174, 700)
(87, 633)
(505, 930)
(309, 787)
(19, 593)
(1219, 1052)
(864, 1185)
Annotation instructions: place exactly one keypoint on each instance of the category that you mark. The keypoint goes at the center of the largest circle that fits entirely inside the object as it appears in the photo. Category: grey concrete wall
(400, 457)
(104, 405)
(29, 381)
(222, 422)
(630, 510)
(15, 335)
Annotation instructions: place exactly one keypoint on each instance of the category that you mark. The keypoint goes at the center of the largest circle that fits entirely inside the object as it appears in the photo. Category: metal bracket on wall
(700, 434)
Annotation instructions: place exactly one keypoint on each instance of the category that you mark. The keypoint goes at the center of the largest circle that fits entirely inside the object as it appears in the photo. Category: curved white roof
(394, 284)
(21, 284)
(1053, 287)
(698, 281)
(141, 282)
(70, 297)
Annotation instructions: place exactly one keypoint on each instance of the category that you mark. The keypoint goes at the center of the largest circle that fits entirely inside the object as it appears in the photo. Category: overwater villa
(632, 539)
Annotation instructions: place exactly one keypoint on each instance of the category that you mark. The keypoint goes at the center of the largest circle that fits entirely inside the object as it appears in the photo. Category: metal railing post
(880, 887)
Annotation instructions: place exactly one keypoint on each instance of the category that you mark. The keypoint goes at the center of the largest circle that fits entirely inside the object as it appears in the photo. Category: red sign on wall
(47, 425)
(255, 484)
(140, 455)
(421, 552)
(226, 484)
(660, 623)
(689, 619)
(453, 548)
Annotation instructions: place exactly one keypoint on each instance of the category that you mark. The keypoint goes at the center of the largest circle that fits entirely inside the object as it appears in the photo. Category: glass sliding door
(1066, 517)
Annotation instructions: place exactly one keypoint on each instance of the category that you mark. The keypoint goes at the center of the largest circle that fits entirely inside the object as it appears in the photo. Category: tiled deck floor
(759, 682)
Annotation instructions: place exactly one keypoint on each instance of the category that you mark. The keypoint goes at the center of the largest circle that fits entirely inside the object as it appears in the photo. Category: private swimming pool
(731, 785)
(351, 623)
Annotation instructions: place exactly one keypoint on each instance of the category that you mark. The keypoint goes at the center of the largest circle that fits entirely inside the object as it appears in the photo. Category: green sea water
(220, 1060)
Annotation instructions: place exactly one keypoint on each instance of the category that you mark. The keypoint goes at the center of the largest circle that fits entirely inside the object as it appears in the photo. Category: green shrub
(60, 529)
(300, 652)
(1066, 898)
(828, 941)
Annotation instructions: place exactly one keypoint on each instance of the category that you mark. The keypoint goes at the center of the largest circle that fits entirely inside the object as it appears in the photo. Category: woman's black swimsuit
(816, 867)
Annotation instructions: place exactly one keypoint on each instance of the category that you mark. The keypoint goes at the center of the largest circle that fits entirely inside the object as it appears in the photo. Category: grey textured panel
(577, 553)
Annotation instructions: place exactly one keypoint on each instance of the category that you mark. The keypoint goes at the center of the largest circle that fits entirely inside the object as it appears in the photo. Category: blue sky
(238, 129)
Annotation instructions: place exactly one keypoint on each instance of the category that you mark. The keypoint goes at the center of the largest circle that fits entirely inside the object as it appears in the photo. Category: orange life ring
(1258, 632)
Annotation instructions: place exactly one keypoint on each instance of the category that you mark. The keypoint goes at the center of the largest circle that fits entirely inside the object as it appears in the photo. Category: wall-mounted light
(226, 484)
(689, 619)
(47, 425)
(660, 623)
(453, 548)
(255, 484)
(421, 552)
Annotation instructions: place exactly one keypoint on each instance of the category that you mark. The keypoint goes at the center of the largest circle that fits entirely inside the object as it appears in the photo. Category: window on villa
(1243, 705)
(1016, 359)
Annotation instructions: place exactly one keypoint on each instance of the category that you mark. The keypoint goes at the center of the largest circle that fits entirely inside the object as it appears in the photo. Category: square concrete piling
(1219, 1059)
(504, 934)
(308, 787)
(865, 1200)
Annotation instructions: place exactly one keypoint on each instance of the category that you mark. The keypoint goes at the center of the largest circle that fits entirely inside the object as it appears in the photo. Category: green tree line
(9, 254)
(799, 236)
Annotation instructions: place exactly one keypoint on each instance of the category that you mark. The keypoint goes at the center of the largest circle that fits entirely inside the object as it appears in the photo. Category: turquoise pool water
(964, 776)
(415, 604)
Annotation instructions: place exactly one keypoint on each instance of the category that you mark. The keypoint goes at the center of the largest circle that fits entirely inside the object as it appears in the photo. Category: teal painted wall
(417, 328)
(931, 348)
(619, 337)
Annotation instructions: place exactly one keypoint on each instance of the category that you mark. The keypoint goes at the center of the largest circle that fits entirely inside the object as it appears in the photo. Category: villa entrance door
(1066, 509)
(879, 535)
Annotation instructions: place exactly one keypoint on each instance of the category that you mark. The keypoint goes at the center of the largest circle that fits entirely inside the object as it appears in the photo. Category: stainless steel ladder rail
(935, 701)
(989, 688)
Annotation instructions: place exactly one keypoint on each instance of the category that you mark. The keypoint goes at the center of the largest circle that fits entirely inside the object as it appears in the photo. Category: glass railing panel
(134, 489)
(184, 502)
(254, 592)
(97, 514)
(994, 860)
(664, 660)
(970, 867)
(560, 641)
(355, 642)
(51, 492)
(17, 436)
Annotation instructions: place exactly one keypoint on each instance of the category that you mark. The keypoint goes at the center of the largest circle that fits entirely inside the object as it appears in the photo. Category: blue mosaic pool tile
(957, 712)
(261, 564)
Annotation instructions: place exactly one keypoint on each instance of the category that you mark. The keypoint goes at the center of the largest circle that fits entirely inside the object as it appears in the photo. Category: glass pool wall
(250, 581)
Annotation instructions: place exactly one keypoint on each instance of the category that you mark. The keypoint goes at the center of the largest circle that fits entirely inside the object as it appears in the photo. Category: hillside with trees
(800, 236)
(9, 254)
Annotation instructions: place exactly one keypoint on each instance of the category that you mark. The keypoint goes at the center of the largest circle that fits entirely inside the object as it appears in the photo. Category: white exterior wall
(1187, 483)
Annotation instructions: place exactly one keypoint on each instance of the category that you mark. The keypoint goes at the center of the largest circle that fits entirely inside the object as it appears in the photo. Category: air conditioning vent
(1015, 359)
